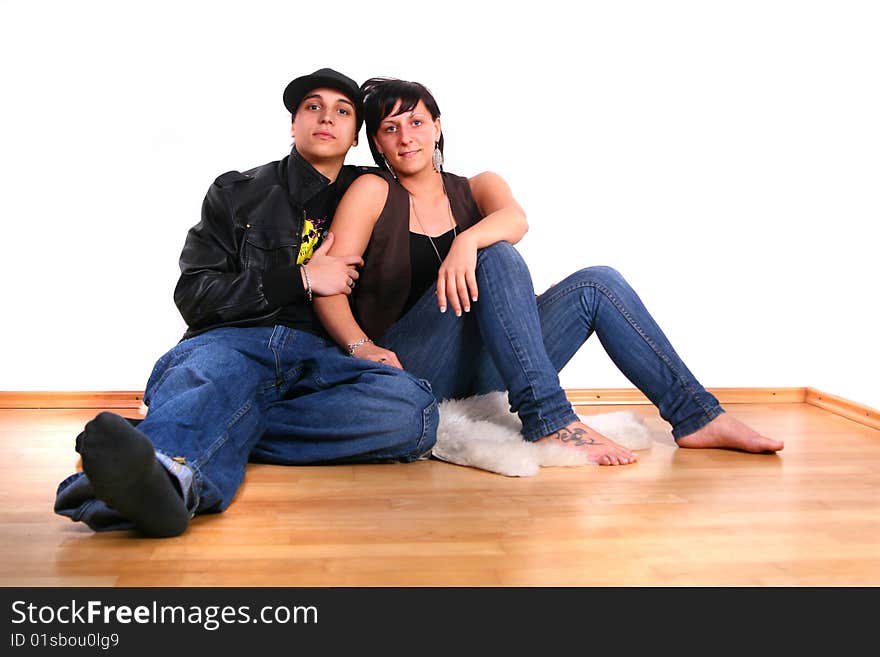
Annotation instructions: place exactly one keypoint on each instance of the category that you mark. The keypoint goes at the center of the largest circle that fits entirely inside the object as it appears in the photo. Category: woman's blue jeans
(273, 395)
(510, 342)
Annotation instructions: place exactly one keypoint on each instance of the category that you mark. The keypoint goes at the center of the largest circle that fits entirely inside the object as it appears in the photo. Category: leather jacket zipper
(299, 238)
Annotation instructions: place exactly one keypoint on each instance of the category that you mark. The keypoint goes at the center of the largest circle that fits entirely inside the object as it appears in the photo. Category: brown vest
(384, 283)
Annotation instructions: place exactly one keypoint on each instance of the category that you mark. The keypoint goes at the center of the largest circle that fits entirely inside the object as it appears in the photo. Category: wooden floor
(809, 516)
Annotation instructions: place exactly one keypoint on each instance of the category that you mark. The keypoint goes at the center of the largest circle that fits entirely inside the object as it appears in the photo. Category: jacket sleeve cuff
(284, 286)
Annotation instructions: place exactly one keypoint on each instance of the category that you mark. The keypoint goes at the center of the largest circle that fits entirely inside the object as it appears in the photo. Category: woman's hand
(457, 278)
(375, 353)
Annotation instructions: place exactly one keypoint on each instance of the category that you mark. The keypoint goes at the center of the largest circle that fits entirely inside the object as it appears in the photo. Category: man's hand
(331, 275)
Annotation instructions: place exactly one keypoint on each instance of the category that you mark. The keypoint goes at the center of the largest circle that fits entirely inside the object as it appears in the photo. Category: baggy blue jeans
(512, 340)
(273, 395)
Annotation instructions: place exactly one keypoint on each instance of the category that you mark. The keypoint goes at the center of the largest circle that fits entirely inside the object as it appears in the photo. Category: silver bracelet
(308, 282)
(353, 346)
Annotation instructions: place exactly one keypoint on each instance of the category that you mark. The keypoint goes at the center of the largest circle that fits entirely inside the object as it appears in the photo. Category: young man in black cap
(253, 377)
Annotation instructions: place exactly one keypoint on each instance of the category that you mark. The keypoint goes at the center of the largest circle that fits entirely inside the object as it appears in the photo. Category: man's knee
(415, 410)
(415, 394)
(209, 368)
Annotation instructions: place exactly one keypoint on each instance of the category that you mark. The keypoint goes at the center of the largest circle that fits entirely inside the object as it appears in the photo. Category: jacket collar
(303, 180)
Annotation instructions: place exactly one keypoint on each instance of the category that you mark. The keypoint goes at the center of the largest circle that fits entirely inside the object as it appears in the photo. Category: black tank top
(423, 263)
(385, 284)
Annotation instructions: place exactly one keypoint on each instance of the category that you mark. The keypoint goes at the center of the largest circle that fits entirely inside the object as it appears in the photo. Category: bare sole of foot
(601, 450)
(726, 432)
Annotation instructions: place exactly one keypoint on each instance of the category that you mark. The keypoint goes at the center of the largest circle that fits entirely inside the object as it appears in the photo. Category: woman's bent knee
(500, 252)
(602, 276)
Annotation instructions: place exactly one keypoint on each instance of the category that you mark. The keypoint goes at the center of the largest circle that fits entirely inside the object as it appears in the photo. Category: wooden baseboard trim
(132, 399)
(590, 396)
(68, 399)
(577, 396)
(844, 407)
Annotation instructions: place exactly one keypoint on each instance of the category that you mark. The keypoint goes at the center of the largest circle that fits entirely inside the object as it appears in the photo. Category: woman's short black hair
(380, 97)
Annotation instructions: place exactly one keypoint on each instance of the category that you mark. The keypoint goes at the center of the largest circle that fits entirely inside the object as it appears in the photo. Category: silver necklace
(425, 232)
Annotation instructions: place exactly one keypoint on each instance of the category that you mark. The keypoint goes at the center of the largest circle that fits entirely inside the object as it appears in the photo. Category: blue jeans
(273, 395)
(510, 342)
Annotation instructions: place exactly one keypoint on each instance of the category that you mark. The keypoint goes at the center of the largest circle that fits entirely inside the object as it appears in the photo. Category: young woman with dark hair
(433, 242)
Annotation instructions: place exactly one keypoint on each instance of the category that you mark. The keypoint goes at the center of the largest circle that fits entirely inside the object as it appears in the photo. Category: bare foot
(600, 449)
(726, 432)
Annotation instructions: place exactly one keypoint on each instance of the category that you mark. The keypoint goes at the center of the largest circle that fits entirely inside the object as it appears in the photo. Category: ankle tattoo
(578, 437)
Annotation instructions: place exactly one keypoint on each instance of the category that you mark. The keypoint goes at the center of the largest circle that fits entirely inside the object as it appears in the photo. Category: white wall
(723, 155)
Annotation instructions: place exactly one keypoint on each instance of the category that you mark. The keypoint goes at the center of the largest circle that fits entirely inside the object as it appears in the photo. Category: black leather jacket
(251, 232)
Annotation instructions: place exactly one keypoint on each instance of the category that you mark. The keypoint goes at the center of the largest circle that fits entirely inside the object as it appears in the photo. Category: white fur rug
(481, 432)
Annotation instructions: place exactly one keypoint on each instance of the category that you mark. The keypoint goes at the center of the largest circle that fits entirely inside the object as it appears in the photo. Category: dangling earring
(394, 175)
(437, 158)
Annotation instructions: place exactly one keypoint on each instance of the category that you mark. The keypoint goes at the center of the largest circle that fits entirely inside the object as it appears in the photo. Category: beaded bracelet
(353, 346)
